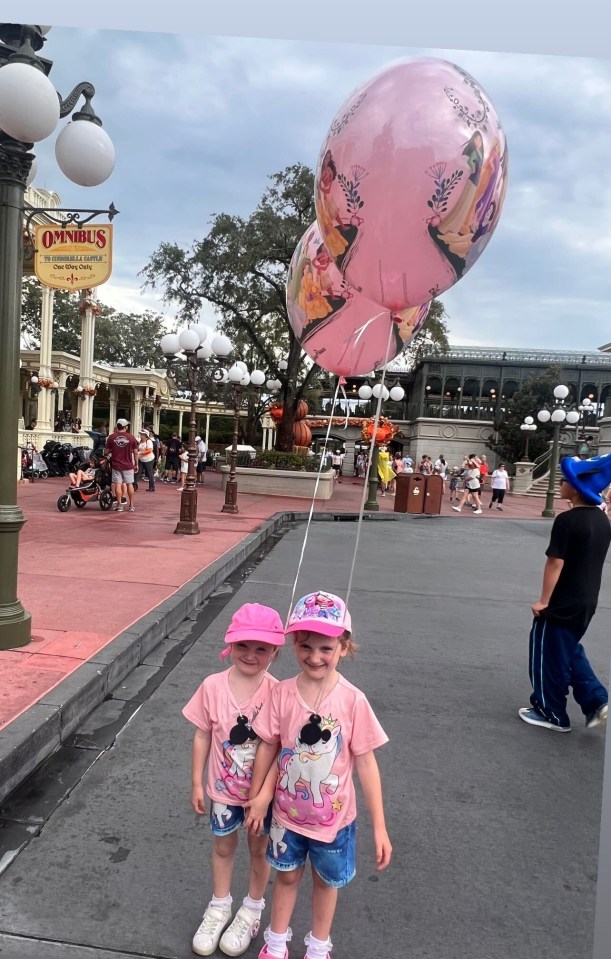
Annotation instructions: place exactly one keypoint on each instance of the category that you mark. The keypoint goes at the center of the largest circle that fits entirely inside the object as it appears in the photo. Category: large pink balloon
(410, 181)
(339, 328)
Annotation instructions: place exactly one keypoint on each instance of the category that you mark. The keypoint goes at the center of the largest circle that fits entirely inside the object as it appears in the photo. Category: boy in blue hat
(576, 554)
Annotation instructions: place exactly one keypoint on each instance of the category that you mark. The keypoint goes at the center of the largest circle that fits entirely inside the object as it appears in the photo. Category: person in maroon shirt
(123, 449)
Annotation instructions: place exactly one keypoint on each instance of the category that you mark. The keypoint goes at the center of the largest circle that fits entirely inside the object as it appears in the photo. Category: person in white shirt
(202, 453)
(146, 459)
(500, 484)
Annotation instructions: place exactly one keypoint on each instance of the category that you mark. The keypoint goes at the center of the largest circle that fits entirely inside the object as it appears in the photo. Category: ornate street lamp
(194, 345)
(30, 109)
(366, 392)
(239, 378)
(527, 427)
(558, 414)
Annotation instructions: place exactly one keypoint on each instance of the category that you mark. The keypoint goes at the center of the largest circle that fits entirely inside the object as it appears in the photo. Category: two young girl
(281, 756)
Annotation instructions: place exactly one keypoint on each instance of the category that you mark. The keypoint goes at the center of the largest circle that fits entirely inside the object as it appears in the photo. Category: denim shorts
(334, 862)
(226, 819)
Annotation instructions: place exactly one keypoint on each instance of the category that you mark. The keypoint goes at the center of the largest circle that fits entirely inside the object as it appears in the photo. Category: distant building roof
(500, 354)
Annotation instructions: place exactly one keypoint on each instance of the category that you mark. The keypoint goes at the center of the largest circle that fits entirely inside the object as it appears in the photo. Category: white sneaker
(239, 935)
(476, 511)
(206, 939)
(456, 509)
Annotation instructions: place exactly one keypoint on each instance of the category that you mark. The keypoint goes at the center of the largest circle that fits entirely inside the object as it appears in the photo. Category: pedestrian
(572, 576)
(453, 486)
(360, 465)
(483, 469)
(222, 710)
(202, 454)
(407, 461)
(315, 752)
(183, 458)
(585, 447)
(337, 463)
(123, 450)
(441, 469)
(472, 487)
(172, 462)
(386, 474)
(499, 482)
(146, 459)
(32, 425)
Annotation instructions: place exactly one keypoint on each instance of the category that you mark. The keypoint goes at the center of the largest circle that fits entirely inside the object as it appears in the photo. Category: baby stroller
(32, 463)
(97, 488)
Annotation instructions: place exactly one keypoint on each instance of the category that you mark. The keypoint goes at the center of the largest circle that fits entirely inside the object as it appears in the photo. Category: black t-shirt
(172, 448)
(580, 537)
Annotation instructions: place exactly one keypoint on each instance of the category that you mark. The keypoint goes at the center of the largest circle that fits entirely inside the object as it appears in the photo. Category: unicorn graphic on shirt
(307, 778)
(276, 838)
(221, 813)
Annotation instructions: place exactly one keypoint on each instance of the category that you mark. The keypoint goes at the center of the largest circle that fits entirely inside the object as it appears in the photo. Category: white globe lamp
(189, 340)
(85, 153)
(170, 344)
(221, 345)
(29, 104)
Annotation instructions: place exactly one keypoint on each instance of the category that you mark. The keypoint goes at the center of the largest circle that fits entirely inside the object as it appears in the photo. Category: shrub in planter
(273, 460)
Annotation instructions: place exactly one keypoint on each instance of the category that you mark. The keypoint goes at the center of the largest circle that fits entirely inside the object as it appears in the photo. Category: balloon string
(371, 448)
(309, 521)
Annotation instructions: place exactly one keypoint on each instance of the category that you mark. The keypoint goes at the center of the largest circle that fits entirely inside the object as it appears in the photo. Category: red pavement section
(86, 575)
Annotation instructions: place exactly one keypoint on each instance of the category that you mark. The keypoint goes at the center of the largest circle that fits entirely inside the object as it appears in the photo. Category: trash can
(401, 492)
(416, 487)
(433, 495)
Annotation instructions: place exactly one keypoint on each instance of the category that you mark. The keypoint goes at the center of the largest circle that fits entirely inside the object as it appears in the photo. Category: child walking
(578, 546)
(223, 710)
(325, 729)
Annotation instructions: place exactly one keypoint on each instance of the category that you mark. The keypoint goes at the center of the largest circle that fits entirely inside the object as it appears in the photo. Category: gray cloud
(199, 123)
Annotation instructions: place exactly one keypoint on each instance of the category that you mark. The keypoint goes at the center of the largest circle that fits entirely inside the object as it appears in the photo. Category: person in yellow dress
(386, 474)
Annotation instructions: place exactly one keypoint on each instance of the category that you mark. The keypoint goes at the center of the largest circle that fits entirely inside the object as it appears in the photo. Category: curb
(43, 727)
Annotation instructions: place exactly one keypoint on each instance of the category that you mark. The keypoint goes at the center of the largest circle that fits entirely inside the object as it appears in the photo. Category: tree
(241, 268)
(510, 441)
(431, 339)
(128, 339)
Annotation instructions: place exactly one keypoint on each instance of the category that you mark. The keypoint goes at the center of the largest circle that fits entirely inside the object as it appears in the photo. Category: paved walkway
(86, 575)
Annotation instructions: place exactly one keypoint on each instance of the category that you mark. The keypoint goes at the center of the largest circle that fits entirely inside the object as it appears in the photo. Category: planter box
(281, 482)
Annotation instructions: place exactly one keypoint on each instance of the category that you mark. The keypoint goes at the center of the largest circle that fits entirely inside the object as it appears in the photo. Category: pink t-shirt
(314, 791)
(214, 709)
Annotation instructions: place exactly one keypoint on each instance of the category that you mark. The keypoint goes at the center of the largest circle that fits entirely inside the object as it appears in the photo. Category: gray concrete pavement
(495, 825)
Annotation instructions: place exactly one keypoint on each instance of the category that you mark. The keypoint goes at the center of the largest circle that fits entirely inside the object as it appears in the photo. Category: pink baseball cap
(253, 623)
(320, 613)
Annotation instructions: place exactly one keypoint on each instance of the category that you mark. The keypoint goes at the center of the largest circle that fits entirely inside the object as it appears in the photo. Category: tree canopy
(129, 339)
(240, 267)
(537, 391)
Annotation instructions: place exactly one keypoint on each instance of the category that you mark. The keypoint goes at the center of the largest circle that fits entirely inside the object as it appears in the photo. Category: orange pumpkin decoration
(384, 433)
(302, 434)
(276, 412)
(302, 410)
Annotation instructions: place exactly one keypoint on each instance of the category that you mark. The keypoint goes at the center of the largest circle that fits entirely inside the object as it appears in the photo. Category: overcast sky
(199, 123)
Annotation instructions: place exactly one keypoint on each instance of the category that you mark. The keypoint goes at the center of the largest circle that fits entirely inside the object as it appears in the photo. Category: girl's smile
(251, 657)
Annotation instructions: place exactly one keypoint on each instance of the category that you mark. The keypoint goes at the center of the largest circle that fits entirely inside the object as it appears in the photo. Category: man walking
(571, 583)
(123, 449)
(172, 461)
(201, 451)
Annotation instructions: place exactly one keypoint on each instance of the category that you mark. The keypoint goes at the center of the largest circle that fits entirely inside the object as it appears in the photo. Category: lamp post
(558, 415)
(527, 427)
(193, 345)
(30, 109)
(366, 392)
(239, 378)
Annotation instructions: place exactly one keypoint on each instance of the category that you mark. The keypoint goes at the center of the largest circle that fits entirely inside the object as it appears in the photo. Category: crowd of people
(140, 458)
